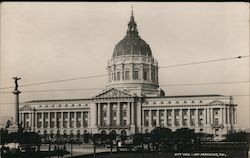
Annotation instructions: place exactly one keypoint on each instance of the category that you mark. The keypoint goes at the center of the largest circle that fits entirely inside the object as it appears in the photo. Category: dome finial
(132, 27)
(132, 12)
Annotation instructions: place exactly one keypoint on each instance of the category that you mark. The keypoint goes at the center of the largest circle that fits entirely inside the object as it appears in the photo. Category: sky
(50, 41)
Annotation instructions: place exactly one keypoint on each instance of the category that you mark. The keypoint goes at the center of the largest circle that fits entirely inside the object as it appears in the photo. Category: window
(124, 113)
(104, 113)
(124, 122)
(136, 75)
(154, 122)
(118, 76)
(216, 121)
(114, 114)
(145, 74)
(126, 75)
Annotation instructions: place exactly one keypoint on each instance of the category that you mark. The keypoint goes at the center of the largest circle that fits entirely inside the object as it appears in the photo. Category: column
(224, 115)
(22, 119)
(235, 115)
(128, 114)
(180, 118)
(68, 115)
(49, 120)
(165, 118)
(118, 114)
(61, 123)
(227, 116)
(43, 120)
(208, 116)
(99, 114)
(173, 118)
(196, 117)
(132, 113)
(211, 116)
(188, 118)
(76, 119)
(220, 116)
(88, 118)
(150, 118)
(32, 120)
(55, 120)
(157, 118)
(205, 116)
(108, 114)
(82, 119)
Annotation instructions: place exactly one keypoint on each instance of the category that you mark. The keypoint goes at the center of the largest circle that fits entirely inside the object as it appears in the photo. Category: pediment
(113, 93)
(25, 107)
(216, 102)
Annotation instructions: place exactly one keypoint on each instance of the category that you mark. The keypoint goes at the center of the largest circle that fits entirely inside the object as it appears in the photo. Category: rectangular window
(126, 75)
(136, 75)
(145, 74)
(104, 113)
(124, 113)
(118, 76)
(114, 113)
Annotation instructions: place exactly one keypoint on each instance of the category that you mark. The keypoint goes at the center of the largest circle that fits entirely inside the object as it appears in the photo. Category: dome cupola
(132, 66)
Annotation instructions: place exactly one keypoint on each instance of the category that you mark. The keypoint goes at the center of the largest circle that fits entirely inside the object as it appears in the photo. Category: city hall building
(132, 101)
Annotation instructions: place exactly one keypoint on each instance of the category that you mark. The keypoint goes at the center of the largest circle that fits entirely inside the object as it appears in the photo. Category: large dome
(132, 45)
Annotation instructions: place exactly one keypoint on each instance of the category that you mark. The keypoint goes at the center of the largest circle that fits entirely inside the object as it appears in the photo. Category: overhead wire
(102, 75)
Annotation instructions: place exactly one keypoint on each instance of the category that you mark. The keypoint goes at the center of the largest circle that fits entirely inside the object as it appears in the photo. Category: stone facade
(132, 101)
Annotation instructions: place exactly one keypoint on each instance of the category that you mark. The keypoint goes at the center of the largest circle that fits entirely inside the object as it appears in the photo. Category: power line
(102, 75)
(206, 61)
(100, 88)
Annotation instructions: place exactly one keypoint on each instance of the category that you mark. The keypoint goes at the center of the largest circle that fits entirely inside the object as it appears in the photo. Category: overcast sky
(45, 41)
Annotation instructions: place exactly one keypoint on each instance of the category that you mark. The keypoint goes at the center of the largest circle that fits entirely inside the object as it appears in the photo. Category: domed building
(132, 101)
(132, 66)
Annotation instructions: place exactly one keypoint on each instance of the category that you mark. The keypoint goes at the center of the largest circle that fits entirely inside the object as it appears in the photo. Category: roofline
(187, 96)
(57, 100)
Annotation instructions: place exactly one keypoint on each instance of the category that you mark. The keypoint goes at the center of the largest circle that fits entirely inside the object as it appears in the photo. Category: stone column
(209, 116)
(62, 119)
(128, 113)
(173, 118)
(188, 118)
(180, 118)
(224, 116)
(132, 113)
(43, 120)
(108, 114)
(56, 120)
(49, 120)
(235, 115)
(32, 120)
(68, 116)
(99, 114)
(221, 116)
(16, 110)
(118, 113)
(76, 119)
(157, 117)
(165, 118)
(83, 120)
(150, 118)
(196, 117)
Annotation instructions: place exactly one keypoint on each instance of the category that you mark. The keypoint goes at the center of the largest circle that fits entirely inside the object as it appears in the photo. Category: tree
(240, 136)
(159, 135)
(184, 135)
